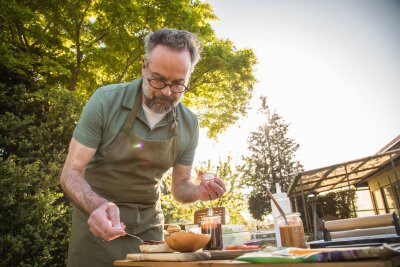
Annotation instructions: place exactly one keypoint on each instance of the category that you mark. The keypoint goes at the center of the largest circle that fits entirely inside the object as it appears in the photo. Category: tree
(234, 200)
(82, 45)
(53, 55)
(271, 160)
(221, 85)
(31, 43)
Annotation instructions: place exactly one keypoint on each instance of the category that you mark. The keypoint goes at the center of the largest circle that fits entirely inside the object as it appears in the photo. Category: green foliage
(40, 126)
(82, 45)
(31, 46)
(34, 221)
(234, 200)
(53, 55)
(338, 204)
(271, 160)
(35, 128)
(221, 85)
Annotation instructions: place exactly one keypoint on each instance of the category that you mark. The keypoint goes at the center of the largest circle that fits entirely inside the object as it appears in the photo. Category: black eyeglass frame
(167, 84)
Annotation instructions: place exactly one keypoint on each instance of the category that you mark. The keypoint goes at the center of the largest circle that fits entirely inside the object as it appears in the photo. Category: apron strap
(132, 115)
(175, 129)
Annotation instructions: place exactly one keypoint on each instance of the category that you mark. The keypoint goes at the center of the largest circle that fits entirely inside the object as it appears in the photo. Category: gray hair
(175, 39)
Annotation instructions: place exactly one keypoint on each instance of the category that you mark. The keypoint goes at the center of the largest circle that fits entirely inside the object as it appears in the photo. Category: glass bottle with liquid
(211, 224)
(292, 231)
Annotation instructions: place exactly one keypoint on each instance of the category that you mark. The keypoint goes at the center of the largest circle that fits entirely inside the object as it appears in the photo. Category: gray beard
(159, 104)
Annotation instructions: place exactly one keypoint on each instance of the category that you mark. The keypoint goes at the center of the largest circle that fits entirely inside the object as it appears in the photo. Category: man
(127, 137)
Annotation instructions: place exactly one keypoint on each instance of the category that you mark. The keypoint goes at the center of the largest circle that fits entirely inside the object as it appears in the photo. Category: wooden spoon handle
(277, 205)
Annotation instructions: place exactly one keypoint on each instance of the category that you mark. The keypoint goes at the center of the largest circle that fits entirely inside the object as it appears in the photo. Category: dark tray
(356, 241)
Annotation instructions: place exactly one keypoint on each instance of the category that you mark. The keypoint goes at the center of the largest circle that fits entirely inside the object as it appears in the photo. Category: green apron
(130, 176)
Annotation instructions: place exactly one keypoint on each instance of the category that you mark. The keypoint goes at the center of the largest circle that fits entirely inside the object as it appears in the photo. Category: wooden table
(230, 263)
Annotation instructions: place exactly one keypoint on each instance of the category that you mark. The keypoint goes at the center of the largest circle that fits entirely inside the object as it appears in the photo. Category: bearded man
(128, 136)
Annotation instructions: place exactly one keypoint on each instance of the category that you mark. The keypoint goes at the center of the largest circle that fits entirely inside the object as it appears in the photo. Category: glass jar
(211, 224)
(292, 232)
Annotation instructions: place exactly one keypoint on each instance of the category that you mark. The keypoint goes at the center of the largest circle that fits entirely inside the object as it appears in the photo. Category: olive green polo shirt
(107, 110)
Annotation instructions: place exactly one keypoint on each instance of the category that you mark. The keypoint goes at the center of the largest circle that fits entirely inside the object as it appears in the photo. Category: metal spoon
(135, 237)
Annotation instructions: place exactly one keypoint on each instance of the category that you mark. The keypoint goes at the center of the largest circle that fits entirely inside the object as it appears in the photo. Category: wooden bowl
(187, 242)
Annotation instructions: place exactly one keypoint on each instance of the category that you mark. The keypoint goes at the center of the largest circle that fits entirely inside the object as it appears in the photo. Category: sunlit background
(330, 68)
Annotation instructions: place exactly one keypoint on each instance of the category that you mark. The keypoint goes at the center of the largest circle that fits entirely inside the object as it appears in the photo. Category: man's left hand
(210, 190)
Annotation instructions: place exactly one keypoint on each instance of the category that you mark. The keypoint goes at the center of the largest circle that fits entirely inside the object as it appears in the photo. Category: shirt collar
(131, 93)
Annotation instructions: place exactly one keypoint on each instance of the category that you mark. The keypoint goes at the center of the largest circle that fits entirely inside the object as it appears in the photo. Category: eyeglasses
(160, 84)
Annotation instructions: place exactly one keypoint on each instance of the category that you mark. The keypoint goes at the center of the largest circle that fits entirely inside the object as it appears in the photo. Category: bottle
(284, 202)
(211, 224)
(292, 231)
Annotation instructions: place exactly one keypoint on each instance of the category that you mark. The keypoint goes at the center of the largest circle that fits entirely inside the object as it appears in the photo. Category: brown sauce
(292, 236)
(152, 242)
(215, 231)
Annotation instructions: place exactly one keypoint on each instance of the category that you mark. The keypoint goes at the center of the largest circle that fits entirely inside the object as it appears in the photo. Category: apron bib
(130, 176)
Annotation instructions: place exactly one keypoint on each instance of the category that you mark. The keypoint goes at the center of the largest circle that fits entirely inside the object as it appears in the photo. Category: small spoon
(208, 176)
(277, 205)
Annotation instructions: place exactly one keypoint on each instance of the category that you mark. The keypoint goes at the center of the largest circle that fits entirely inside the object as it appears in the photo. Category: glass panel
(396, 189)
(380, 205)
(364, 201)
(365, 213)
(389, 197)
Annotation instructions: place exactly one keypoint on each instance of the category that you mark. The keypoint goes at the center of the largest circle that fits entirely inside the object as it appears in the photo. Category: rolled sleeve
(189, 152)
(88, 131)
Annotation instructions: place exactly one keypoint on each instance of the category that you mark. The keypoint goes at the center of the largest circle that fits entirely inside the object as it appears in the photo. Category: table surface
(230, 263)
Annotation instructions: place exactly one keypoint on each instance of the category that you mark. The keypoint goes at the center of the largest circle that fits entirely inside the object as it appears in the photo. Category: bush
(32, 216)
(35, 130)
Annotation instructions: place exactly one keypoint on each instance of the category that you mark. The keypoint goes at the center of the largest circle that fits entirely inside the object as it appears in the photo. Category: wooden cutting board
(192, 256)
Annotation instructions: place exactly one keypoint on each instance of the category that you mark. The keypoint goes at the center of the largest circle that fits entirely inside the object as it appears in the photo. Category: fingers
(202, 193)
(212, 194)
(220, 183)
(211, 190)
(104, 222)
(113, 215)
(216, 190)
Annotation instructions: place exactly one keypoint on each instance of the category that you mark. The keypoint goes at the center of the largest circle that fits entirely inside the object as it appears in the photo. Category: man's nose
(166, 90)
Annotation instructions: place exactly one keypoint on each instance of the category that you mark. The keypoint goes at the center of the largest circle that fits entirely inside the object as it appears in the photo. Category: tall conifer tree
(271, 160)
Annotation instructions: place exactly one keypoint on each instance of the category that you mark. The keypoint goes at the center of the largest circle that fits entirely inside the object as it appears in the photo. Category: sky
(330, 69)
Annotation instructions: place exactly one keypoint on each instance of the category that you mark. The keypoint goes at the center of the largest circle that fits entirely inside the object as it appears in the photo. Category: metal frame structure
(346, 174)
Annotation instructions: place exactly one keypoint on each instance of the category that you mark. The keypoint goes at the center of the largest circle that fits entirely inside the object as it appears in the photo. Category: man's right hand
(104, 222)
